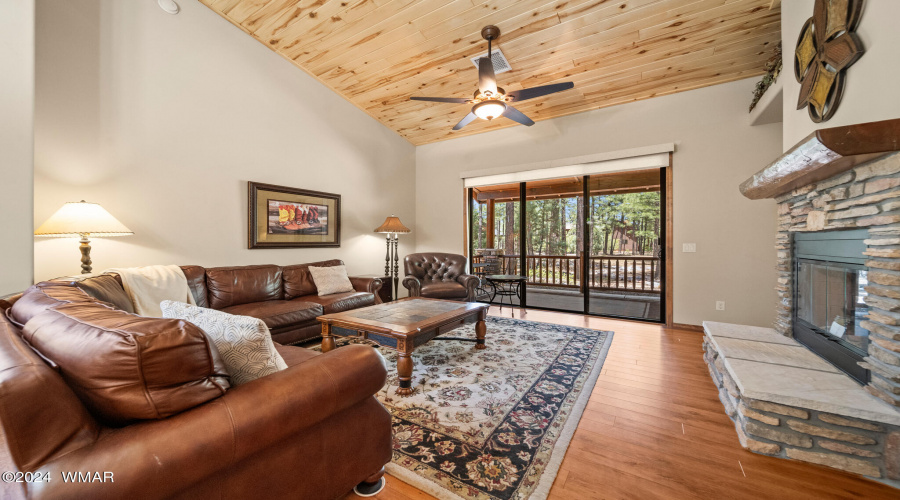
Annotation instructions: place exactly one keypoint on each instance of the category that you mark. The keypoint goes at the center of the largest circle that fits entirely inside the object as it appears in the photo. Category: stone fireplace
(866, 197)
(834, 397)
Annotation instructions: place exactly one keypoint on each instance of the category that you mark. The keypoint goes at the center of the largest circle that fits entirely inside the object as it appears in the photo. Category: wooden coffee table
(405, 324)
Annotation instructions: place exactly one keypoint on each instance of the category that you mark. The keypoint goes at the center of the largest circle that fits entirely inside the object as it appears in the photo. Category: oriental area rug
(492, 423)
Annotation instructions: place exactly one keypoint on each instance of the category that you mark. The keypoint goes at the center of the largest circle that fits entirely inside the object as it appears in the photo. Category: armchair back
(434, 267)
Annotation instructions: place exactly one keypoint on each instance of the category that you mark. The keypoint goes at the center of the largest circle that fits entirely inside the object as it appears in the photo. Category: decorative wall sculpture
(826, 48)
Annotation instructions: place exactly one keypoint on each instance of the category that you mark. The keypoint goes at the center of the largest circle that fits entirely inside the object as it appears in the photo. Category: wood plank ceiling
(378, 53)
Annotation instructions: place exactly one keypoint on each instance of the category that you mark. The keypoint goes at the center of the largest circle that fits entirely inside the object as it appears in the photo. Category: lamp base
(85, 248)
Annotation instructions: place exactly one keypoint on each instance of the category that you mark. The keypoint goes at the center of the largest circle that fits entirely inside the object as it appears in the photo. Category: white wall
(163, 119)
(871, 89)
(716, 151)
(16, 143)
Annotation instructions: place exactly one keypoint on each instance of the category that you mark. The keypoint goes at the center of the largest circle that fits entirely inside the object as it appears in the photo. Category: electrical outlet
(720, 305)
(688, 247)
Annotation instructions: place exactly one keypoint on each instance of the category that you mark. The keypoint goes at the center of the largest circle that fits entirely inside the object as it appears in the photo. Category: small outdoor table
(506, 285)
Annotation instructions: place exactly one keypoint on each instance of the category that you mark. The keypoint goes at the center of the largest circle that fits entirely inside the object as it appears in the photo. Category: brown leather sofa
(311, 431)
(284, 297)
(439, 276)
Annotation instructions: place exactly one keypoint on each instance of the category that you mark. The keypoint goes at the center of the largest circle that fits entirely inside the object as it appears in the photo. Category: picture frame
(286, 217)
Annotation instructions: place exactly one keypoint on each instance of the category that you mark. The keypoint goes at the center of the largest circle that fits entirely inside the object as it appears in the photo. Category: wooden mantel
(823, 154)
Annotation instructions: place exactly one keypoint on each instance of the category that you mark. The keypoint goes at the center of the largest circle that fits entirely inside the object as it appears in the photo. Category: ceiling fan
(491, 101)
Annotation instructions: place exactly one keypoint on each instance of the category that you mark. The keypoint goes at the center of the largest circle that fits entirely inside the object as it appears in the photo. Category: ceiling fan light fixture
(488, 110)
(490, 100)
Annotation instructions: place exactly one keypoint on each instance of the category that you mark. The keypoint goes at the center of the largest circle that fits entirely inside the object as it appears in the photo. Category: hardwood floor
(654, 428)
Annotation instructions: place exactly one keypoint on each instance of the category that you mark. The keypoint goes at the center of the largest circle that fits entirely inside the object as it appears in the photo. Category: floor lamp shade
(82, 219)
(392, 227)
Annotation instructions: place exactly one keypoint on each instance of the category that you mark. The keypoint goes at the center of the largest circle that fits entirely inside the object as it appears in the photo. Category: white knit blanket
(149, 285)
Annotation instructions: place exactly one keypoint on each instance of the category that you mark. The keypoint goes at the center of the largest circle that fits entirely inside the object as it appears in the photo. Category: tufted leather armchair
(439, 276)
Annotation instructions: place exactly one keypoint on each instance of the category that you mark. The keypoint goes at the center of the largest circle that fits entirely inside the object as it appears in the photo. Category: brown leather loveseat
(143, 408)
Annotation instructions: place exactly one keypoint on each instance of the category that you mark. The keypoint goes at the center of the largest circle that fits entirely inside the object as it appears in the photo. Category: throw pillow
(330, 280)
(244, 342)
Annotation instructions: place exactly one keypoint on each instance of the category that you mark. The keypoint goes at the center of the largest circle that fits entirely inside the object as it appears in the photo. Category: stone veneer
(866, 197)
(786, 402)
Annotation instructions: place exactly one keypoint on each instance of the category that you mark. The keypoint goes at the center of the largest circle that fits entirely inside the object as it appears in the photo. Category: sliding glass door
(626, 241)
(495, 240)
(554, 225)
(587, 244)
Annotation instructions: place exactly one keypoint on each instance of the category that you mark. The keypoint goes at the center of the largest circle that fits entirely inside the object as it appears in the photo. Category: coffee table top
(404, 316)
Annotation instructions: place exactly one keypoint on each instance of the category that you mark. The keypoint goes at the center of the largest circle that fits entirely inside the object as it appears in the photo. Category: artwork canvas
(297, 218)
(281, 216)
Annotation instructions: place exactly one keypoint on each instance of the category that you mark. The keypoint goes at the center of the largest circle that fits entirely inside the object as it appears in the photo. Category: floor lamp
(392, 228)
(82, 219)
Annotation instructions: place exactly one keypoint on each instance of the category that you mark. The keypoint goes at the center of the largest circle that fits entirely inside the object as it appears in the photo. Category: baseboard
(685, 326)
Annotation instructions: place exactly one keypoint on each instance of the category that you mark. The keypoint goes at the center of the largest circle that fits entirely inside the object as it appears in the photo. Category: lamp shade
(79, 218)
(392, 225)
(488, 110)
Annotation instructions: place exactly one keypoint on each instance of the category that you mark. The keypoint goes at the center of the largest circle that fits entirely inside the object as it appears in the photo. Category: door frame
(666, 214)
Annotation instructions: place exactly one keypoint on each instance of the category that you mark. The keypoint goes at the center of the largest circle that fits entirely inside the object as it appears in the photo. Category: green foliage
(773, 69)
(619, 224)
(479, 224)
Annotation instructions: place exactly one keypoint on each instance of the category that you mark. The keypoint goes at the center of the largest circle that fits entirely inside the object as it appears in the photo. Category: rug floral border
(523, 444)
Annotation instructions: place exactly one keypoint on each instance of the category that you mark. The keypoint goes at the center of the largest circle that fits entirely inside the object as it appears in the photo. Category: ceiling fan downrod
(490, 33)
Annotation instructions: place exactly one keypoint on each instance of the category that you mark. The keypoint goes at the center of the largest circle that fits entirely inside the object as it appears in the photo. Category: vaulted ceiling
(378, 53)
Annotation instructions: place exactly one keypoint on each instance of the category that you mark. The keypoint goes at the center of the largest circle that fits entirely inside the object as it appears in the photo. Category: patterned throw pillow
(332, 279)
(244, 342)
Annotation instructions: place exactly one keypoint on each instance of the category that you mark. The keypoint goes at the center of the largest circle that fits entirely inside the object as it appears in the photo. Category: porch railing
(605, 272)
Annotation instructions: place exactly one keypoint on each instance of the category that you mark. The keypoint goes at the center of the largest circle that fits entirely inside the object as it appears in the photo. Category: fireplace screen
(830, 280)
(830, 300)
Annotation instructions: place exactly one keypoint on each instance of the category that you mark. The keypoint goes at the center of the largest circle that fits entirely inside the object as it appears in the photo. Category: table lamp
(82, 219)
(392, 227)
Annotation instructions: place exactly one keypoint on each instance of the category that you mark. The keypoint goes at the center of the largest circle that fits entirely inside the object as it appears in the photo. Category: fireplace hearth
(787, 402)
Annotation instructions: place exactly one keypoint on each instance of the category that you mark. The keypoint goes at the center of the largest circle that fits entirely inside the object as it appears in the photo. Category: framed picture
(285, 217)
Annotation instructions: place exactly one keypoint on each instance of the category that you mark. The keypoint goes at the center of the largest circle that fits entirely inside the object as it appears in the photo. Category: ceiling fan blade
(456, 100)
(465, 121)
(517, 116)
(525, 94)
(487, 81)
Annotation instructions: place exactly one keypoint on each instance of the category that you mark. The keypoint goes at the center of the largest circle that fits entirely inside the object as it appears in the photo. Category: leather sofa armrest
(184, 449)
(414, 286)
(371, 285)
(471, 282)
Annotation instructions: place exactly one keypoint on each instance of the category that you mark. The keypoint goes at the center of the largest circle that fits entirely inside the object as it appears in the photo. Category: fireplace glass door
(830, 300)
(830, 281)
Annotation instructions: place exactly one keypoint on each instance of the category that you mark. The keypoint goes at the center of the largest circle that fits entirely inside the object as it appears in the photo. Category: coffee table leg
(404, 370)
(480, 330)
(327, 338)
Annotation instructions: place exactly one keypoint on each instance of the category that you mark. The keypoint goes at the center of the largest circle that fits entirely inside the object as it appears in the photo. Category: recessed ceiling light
(169, 6)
